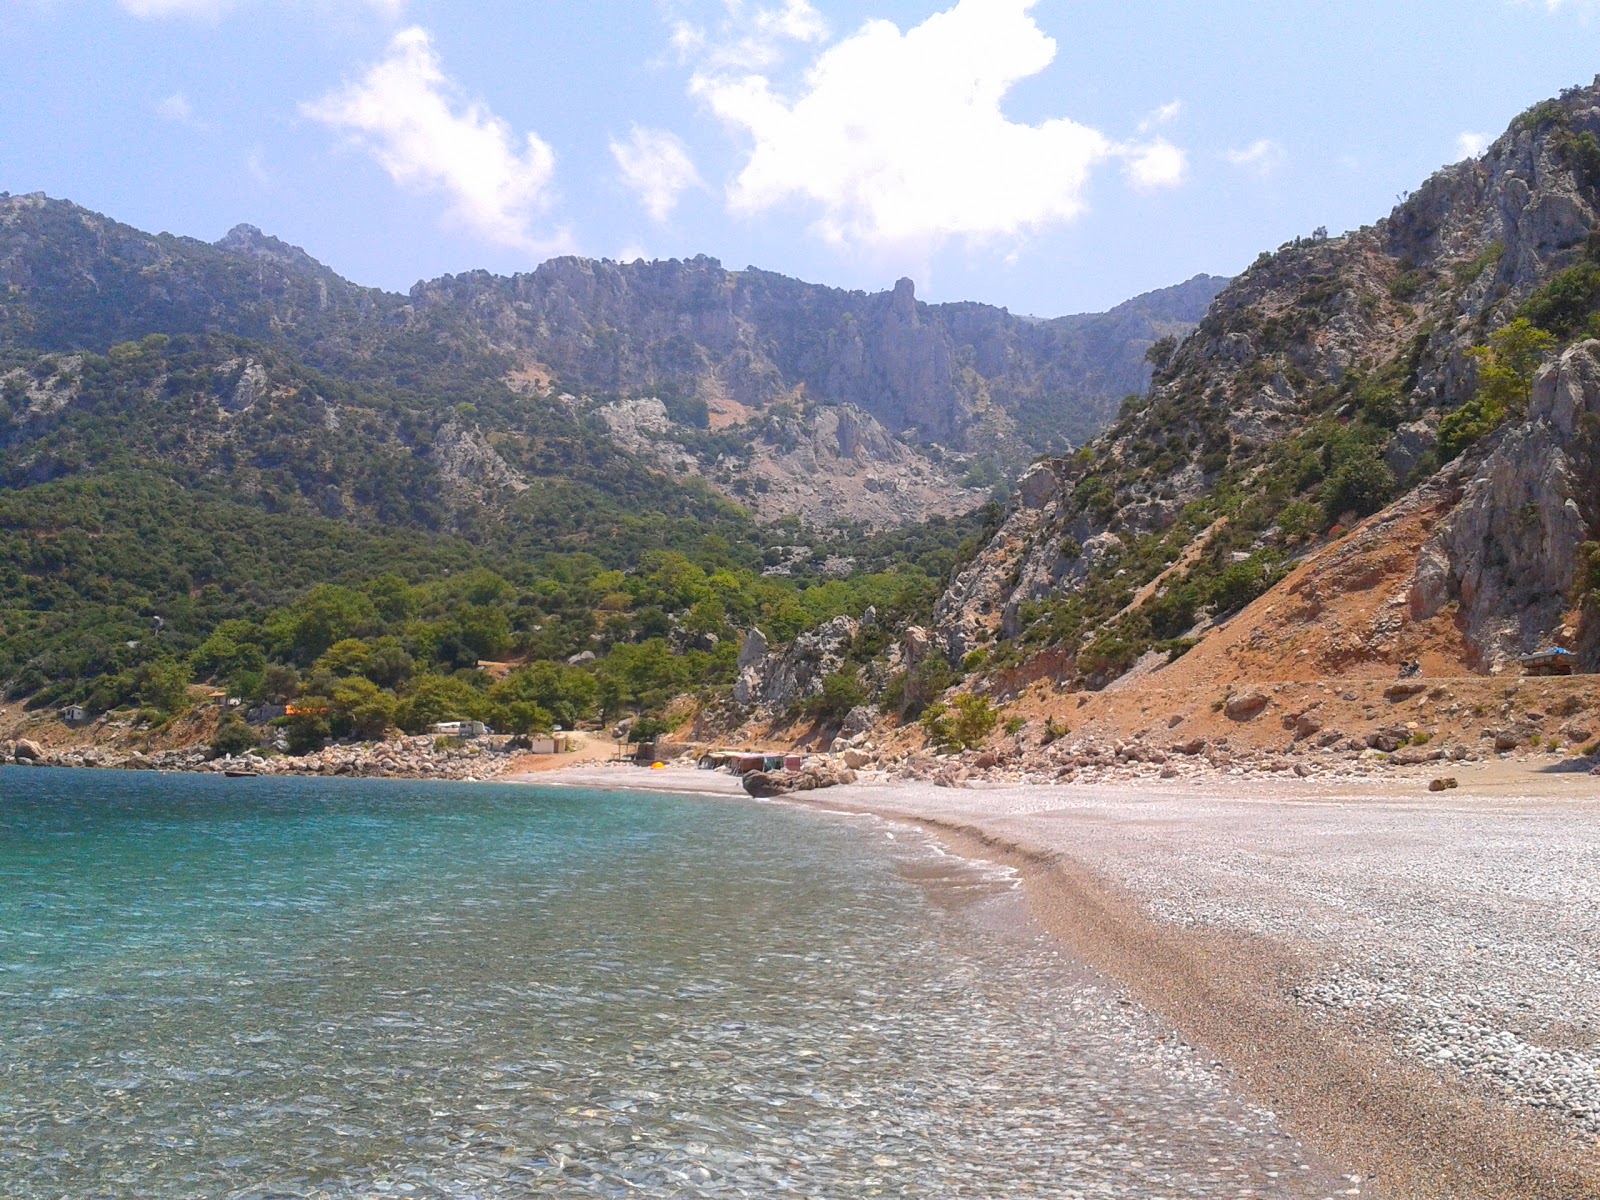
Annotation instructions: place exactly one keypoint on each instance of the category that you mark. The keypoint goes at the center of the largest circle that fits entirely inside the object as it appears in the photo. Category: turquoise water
(265, 988)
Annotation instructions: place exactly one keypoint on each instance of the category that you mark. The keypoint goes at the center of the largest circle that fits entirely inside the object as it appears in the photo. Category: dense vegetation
(208, 509)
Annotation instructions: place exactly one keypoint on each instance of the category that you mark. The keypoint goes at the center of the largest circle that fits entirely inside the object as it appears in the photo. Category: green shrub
(1361, 484)
(962, 724)
(1299, 520)
(1407, 284)
(233, 737)
(1237, 584)
(841, 691)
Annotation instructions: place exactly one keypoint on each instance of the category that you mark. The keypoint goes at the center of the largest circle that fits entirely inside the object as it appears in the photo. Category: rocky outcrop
(1508, 553)
(1371, 329)
(807, 779)
(768, 680)
(469, 466)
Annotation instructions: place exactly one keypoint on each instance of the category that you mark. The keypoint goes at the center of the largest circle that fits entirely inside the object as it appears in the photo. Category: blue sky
(1052, 156)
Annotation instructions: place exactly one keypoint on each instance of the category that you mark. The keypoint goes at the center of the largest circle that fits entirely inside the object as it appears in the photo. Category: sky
(1050, 156)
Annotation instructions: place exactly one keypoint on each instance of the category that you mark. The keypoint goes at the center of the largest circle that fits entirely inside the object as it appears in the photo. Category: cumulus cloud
(901, 142)
(655, 165)
(1159, 164)
(1261, 157)
(748, 36)
(1470, 145)
(429, 138)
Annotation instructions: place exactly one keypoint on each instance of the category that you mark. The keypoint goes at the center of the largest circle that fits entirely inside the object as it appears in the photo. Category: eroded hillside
(1375, 448)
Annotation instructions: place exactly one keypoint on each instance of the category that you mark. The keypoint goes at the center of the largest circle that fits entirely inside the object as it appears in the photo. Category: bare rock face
(750, 668)
(469, 465)
(1408, 296)
(1508, 552)
(767, 680)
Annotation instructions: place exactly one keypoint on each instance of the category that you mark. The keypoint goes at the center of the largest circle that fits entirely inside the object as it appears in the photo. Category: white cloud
(748, 36)
(1470, 145)
(1261, 157)
(177, 109)
(900, 140)
(1164, 115)
(655, 164)
(1159, 164)
(415, 123)
(255, 166)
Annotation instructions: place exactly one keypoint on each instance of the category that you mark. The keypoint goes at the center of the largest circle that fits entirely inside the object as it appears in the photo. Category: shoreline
(1276, 994)
(1337, 1079)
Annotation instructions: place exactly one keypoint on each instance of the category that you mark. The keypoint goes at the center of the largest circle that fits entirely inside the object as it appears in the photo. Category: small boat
(240, 773)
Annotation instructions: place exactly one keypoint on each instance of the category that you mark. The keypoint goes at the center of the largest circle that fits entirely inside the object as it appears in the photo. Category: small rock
(1404, 689)
(1444, 784)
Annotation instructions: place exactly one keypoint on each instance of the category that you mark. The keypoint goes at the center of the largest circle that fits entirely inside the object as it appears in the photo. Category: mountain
(1374, 449)
(218, 461)
(734, 369)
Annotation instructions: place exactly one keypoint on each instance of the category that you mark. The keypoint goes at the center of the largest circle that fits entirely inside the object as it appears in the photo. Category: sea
(264, 989)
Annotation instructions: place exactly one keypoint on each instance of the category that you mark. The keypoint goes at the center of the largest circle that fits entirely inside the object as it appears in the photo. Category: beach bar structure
(744, 762)
(1554, 661)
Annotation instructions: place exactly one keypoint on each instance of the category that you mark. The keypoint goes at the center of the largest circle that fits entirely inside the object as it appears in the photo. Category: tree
(307, 730)
(233, 737)
(521, 717)
(361, 708)
(435, 698)
(1361, 484)
(963, 724)
(841, 691)
(325, 615)
(1507, 365)
(163, 685)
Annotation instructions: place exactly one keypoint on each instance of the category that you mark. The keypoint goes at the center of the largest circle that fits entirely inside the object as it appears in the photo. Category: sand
(1411, 980)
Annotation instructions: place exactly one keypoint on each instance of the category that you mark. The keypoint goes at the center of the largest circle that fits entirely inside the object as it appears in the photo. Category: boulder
(1404, 689)
(1306, 724)
(1246, 705)
(1506, 740)
(856, 759)
(1444, 784)
(27, 751)
(859, 719)
(781, 783)
(1038, 487)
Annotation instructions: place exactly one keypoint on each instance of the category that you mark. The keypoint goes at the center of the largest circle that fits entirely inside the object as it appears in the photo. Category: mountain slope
(697, 336)
(1393, 365)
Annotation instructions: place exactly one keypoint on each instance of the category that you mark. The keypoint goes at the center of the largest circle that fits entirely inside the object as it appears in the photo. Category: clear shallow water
(265, 989)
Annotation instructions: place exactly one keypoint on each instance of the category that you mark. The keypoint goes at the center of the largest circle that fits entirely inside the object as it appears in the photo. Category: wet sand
(1410, 979)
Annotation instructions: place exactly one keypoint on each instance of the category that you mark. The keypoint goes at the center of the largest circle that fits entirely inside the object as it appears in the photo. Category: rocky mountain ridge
(1336, 387)
(743, 364)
